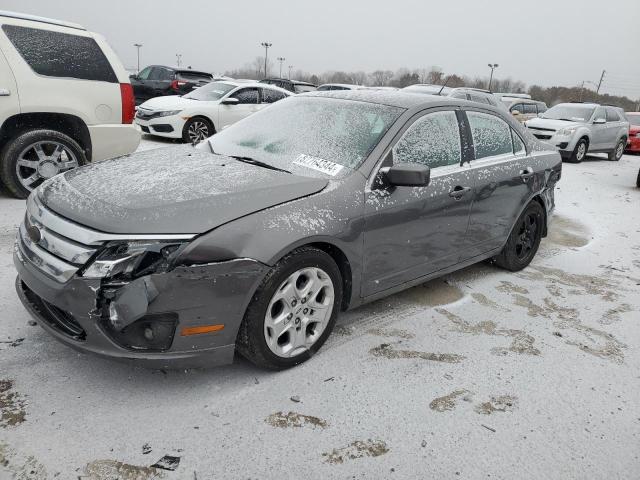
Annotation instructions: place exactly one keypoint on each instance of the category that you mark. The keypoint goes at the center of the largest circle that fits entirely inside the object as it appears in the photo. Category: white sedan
(206, 110)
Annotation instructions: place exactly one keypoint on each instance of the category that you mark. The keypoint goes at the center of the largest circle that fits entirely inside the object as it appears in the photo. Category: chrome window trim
(84, 235)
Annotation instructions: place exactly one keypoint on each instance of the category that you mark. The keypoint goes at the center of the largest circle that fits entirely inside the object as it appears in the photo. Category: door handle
(458, 192)
(4, 92)
(526, 174)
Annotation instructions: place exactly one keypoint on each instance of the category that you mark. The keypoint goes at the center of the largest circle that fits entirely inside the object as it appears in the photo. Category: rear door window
(518, 106)
(161, 74)
(612, 115)
(246, 95)
(271, 96)
(432, 140)
(56, 54)
(491, 135)
(530, 108)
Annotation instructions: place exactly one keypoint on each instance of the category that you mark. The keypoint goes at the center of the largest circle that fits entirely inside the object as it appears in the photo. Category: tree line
(404, 77)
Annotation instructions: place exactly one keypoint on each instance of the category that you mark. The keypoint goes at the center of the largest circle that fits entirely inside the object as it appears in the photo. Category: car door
(599, 129)
(248, 98)
(9, 102)
(504, 181)
(410, 232)
(614, 124)
(161, 78)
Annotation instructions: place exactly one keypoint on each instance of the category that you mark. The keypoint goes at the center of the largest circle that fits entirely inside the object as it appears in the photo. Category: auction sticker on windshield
(319, 164)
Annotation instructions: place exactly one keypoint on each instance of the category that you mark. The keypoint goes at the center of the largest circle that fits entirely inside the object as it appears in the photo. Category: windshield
(320, 134)
(299, 88)
(634, 119)
(211, 92)
(570, 113)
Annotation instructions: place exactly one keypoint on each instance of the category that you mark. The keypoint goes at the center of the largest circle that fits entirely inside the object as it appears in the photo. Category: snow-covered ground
(481, 374)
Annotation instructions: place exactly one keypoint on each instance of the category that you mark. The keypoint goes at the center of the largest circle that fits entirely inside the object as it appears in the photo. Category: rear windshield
(195, 76)
(56, 54)
(304, 88)
(211, 92)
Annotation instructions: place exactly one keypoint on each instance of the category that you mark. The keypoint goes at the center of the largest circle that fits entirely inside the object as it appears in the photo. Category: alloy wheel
(198, 131)
(527, 233)
(582, 150)
(299, 312)
(619, 150)
(43, 160)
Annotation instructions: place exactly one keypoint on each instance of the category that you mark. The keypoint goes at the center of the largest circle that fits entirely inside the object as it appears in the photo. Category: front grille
(542, 137)
(541, 129)
(143, 114)
(55, 317)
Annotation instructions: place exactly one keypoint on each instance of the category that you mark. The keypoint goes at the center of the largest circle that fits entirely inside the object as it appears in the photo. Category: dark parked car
(158, 81)
(294, 86)
(257, 238)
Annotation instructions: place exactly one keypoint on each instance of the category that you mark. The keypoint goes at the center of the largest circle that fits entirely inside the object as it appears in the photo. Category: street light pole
(138, 45)
(281, 59)
(290, 67)
(266, 46)
(492, 66)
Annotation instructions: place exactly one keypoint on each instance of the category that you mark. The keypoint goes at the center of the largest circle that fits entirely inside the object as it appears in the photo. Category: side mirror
(230, 101)
(599, 121)
(407, 175)
(515, 112)
(133, 77)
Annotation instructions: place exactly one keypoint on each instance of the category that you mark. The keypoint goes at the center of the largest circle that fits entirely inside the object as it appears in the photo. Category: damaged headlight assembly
(133, 259)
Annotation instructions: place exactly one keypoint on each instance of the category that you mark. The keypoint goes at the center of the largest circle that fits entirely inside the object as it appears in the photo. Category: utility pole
(290, 67)
(582, 87)
(600, 82)
(492, 66)
(281, 59)
(138, 45)
(266, 46)
(179, 58)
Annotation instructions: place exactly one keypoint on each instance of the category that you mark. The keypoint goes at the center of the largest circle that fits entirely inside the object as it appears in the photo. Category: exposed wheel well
(70, 125)
(345, 269)
(586, 139)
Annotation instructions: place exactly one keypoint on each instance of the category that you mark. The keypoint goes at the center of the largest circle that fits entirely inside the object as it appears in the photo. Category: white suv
(65, 100)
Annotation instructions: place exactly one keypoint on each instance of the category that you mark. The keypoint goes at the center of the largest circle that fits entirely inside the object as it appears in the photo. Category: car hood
(172, 102)
(169, 191)
(550, 123)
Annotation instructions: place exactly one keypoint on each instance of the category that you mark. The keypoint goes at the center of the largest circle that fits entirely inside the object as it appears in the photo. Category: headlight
(566, 131)
(133, 259)
(168, 113)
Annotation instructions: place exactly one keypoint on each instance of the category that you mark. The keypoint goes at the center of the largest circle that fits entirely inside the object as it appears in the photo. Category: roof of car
(346, 85)
(182, 69)
(383, 97)
(252, 83)
(35, 18)
(295, 82)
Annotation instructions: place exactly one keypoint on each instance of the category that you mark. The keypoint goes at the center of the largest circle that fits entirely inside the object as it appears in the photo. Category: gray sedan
(256, 239)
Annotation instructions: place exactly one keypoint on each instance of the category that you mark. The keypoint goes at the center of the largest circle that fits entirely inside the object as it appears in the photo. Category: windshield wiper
(566, 120)
(258, 163)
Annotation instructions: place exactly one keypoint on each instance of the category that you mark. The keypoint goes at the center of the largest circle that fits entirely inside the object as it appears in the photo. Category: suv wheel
(293, 311)
(196, 130)
(580, 151)
(35, 156)
(618, 151)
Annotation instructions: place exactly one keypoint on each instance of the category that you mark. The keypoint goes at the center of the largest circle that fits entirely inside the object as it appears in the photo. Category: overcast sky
(547, 42)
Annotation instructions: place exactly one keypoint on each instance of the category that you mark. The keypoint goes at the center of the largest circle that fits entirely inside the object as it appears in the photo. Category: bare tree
(435, 76)
(381, 77)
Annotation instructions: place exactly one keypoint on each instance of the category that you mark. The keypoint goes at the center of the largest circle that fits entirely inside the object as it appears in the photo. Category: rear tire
(617, 153)
(196, 130)
(524, 240)
(638, 180)
(579, 152)
(259, 343)
(33, 156)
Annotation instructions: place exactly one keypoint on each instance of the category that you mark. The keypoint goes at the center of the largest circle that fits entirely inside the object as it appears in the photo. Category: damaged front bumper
(156, 320)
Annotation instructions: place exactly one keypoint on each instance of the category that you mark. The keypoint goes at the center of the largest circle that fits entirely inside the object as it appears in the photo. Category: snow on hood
(171, 190)
(550, 123)
(172, 102)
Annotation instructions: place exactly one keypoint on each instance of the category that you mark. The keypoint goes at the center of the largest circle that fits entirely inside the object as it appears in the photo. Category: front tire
(617, 153)
(293, 311)
(579, 152)
(524, 240)
(36, 155)
(638, 180)
(196, 130)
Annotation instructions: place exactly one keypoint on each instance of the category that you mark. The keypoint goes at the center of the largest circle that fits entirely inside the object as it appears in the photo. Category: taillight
(128, 102)
(177, 83)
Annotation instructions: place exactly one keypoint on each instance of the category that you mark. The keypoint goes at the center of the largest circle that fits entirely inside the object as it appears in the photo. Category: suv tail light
(128, 102)
(177, 83)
